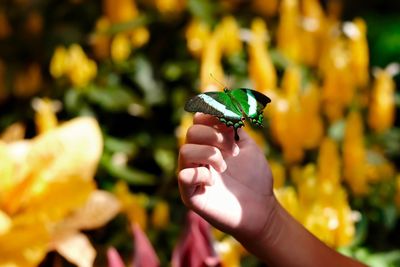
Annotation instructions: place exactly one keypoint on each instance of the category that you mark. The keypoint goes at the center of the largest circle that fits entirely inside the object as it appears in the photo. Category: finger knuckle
(185, 149)
(191, 133)
(215, 154)
(183, 177)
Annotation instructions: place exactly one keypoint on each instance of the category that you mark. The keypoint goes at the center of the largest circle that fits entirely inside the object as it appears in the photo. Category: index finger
(212, 121)
(205, 119)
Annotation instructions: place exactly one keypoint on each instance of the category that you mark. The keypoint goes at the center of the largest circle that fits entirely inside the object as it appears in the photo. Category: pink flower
(195, 248)
(114, 259)
(144, 254)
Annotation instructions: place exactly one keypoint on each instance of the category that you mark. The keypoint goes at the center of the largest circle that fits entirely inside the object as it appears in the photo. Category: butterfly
(231, 107)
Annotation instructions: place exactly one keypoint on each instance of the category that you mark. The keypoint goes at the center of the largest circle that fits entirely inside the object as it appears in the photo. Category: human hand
(228, 183)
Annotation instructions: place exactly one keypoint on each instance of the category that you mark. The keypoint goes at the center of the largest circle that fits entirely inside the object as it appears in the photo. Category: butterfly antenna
(229, 80)
(220, 83)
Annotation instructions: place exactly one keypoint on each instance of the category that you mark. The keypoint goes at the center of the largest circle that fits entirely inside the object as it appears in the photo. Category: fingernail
(224, 166)
(212, 180)
(235, 149)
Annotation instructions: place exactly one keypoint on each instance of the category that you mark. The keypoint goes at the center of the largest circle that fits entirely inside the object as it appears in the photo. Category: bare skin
(230, 185)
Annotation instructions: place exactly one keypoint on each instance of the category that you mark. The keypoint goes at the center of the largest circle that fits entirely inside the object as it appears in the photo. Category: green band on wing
(231, 106)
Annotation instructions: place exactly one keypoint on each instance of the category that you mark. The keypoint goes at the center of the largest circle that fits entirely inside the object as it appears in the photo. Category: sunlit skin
(230, 185)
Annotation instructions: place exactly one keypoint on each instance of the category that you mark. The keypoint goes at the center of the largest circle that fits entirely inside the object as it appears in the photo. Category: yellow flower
(282, 117)
(160, 216)
(277, 117)
(307, 185)
(329, 165)
(286, 117)
(45, 117)
(120, 47)
(75, 246)
(211, 64)
(81, 77)
(325, 210)
(170, 6)
(140, 36)
(180, 132)
(6, 172)
(322, 221)
(197, 34)
(333, 224)
(211, 72)
(74, 64)
(261, 69)
(382, 110)
(14, 132)
(133, 205)
(310, 115)
(228, 31)
(357, 32)
(46, 180)
(354, 154)
(229, 251)
(58, 63)
(5, 223)
(313, 24)
(278, 172)
(120, 10)
(81, 69)
(346, 230)
(288, 32)
(338, 80)
(287, 197)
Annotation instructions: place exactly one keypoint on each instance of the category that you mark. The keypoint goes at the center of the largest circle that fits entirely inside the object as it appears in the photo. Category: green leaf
(397, 99)
(144, 77)
(165, 159)
(130, 175)
(279, 60)
(139, 21)
(390, 215)
(385, 259)
(390, 141)
(76, 104)
(205, 10)
(114, 145)
(384, 38)
(111, 98)
(361, 231)
(172, 71)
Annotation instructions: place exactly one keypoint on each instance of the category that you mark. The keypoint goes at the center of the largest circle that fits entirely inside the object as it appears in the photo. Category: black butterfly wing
(251, 102)
(215, 103)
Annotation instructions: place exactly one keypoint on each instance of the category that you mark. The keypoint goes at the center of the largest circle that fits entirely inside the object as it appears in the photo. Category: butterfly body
(231, 107)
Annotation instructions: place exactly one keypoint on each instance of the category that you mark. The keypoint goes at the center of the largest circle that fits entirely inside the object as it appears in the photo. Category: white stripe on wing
(218, 106)
(252, 101)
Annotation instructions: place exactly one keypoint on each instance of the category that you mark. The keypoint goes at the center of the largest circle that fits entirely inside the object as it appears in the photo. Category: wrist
(285, 242)
(269, 230)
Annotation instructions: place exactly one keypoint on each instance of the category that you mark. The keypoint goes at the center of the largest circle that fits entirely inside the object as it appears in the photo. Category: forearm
(286, 243)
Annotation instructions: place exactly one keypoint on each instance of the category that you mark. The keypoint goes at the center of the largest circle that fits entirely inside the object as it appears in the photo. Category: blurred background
(91, 120)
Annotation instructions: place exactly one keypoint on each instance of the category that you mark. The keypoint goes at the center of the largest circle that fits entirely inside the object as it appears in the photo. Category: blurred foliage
(131, 66)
